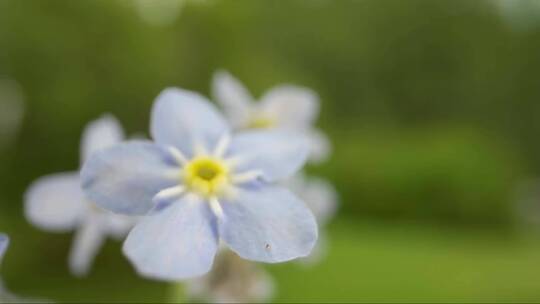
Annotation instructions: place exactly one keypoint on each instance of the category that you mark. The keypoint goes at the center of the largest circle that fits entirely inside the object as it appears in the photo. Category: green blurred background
(432, 107)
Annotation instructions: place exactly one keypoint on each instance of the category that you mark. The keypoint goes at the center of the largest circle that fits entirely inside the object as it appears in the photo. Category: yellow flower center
(206, 175)
(261, 122)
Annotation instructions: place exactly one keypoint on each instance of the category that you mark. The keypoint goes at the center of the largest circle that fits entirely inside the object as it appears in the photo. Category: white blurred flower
(11, 109)
(57, 203)
(161, 12)
(232, 280)
(520, 14)
(527, 203)
(285, 107)
(321, 197)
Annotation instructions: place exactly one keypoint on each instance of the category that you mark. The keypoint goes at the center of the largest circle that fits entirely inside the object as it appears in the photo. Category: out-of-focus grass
(367, 261)
(389, 262)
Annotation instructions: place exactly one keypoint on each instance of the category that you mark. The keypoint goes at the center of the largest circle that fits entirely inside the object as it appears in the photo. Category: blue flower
(4, 243)
(57, 203)
(199, 184)
(284, 107)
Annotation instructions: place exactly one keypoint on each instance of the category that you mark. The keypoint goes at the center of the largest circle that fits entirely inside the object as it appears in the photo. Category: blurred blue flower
(57, 203)
(5, 295)
(4, 243)
(198, 184)
(288, 108)
(284, 107)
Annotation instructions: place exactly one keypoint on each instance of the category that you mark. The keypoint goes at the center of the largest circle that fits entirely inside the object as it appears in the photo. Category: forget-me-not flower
(284, 107)
(57, 203)
(198, 184)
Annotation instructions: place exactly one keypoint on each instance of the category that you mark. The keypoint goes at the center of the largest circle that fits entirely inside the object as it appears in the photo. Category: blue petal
(4, 243)
(182, 118)
(276, 154)
(268, 224)
(176, 243)
(125, 178)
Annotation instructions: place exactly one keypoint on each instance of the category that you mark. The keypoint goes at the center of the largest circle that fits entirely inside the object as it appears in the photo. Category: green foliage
(444, 173)
(400, 262)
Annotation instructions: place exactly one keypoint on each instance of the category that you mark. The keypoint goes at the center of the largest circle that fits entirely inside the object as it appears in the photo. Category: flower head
(198, 184)
(285, 107)
(57, 203)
